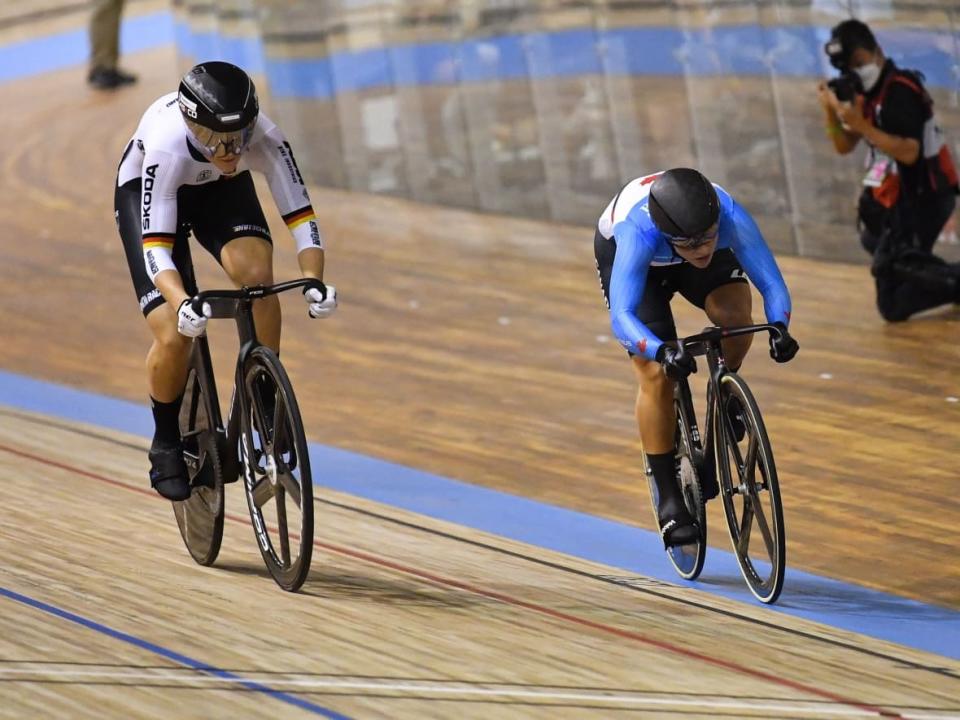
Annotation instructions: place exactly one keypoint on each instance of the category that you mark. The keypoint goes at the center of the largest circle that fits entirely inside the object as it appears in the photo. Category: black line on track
(546, 703)
(941, 671)
(946, 672)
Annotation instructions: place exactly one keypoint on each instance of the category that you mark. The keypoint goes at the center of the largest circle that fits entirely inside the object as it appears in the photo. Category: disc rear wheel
(200, 517)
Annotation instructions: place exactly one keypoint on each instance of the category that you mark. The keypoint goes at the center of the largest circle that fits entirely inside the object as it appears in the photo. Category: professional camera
(846, 87)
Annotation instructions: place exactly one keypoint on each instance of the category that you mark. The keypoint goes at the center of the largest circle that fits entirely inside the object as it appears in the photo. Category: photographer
(910, 186)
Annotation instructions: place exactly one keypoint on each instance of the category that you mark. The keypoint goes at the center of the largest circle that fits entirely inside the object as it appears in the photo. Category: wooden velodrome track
(472, 347)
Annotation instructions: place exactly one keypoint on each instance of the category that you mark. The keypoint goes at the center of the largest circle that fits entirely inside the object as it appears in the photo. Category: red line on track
(508, 600)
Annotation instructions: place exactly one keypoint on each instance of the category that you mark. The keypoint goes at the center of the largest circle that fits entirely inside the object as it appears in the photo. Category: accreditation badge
(880, 167)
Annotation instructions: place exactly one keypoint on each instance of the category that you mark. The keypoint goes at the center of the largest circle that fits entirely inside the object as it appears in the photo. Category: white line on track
(466, 691)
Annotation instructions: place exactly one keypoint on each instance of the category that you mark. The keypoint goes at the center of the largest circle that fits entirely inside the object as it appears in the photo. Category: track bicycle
(263, 439)
(741, 468)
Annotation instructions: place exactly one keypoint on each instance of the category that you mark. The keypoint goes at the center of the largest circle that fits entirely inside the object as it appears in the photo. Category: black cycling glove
(783, 347)
(676, 366)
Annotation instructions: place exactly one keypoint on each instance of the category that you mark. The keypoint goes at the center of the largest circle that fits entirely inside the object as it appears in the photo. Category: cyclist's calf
(654, 408)
(168, 356)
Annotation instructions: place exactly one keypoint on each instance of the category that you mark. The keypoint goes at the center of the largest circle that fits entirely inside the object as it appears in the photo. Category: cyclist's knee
(255, 273)
(163, 325)
(248, 261)
(731, 316)
(171, 342)
(651, 376)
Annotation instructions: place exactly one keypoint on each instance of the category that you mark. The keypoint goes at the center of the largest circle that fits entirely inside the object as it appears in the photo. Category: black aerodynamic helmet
(219, 104)
(846, 37)
(683, 204)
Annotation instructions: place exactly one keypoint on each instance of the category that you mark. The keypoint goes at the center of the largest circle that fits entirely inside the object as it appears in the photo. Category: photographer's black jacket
(900, 105)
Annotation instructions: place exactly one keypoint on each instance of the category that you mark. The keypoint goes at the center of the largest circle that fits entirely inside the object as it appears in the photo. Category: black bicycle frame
(709, 343)
(238, 304)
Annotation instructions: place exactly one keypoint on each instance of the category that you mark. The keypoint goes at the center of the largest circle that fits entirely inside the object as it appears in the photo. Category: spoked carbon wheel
(687, 560)
(200, 516)
(750, 491)
(276, 470)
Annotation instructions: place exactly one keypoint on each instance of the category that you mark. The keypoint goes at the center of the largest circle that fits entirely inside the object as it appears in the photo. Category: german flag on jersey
(159, 240)
(298, 217)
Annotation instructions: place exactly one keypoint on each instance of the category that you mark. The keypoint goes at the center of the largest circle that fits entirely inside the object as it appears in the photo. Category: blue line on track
(173, 656)
(833, 602)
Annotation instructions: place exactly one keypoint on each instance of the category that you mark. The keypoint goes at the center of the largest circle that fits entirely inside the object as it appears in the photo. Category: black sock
(267, 390)
(664, 467)
(166, 420)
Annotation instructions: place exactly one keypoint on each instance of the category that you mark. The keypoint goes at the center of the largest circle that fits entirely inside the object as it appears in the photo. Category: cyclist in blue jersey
(669, 232)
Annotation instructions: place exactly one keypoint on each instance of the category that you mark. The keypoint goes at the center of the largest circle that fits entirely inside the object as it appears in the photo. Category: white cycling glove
(190, 323)
(317, 306)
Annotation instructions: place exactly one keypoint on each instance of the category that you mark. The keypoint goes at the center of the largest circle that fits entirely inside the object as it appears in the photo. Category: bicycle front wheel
(276, 467)
(200, 517)
(750, 490)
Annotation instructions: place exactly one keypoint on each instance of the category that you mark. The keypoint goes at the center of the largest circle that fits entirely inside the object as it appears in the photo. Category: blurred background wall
(544, 108)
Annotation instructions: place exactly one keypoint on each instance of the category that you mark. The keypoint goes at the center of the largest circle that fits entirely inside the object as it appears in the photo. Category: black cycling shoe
(735, 413)
(283, 451)
(707, 474)
(677, 525)
(168, 473)
(229, 461)
(284, 455)
(287, 453)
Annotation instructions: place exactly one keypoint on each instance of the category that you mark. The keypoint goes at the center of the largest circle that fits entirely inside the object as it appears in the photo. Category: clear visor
(689, 243)
(216, 145)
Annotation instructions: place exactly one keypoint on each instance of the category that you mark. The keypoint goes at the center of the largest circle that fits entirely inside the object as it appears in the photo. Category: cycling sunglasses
(220, 144)
(691, 243)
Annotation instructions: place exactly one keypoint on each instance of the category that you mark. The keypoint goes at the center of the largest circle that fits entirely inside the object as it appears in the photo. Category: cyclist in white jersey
(187, 169)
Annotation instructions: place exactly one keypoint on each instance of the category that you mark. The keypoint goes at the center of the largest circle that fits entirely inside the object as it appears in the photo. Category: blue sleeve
(757, 260)
(627, 281)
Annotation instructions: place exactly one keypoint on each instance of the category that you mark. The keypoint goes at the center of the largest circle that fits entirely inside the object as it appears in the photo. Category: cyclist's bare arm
(170, 285)
(311, 263)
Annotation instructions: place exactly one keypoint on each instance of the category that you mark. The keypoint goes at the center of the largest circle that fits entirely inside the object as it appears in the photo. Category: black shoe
(109, 79)
(284, 451)
(229, 460)
(677, 525)
(707, 474)
(168, 473)
(735, 413)
(125, 78)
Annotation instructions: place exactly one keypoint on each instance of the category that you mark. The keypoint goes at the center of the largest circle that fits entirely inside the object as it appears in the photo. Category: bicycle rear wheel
(687, 560)
(200, 517)
(750, 492)
(276, 468)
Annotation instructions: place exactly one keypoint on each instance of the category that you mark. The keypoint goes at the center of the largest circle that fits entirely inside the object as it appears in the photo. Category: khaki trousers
(105, 33)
